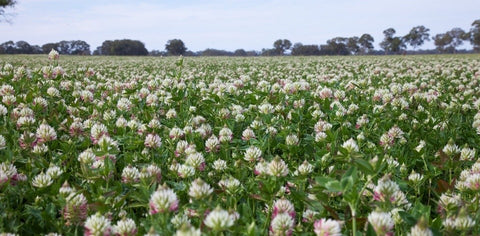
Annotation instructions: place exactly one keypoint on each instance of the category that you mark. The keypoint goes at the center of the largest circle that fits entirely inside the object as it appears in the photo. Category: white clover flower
(266, 108)
(231, 185)
(277, 167)
(350, 145)
(212, 144)
(415, 177)
(248, 134)
(87, 157)
(188, 231)
(97, 225)
(2, 142)
(327, 227)
(125, 227)
(463, 221)
(261, 168)
(54, 171)
(42, 180)
(420, 146)
(381, 222)
(320, 136)
(46, 133)
(420, 230)
(282, 224)
(271, 130)
(3, 110)
(154, 123)
(226, 135)
(451, 148)
(171, 114)
(53, 92)
(107, 143)
(179, 220)
(467, 154)
(322, 126)
(305, 168)
(9, 99)
(219, 165)
(256, 124)
(124, 104)
(252, 154)
(153, 141)
(176, 133)
(219, 220)
(130, 175)
(97, 131)
(291, 140)
(53, 55)
(196, 160)
(199, 189)
(163, 200)
(185, 171)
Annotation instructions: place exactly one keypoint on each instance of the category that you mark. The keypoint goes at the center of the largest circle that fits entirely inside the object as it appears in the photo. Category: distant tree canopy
(281, 45)
(474, 35)
(209, 52)
(175, 47)
(123, 47)
(417, 36)
(240, 53)
(72, 47)
(305, 50)
(447, 42)
(391, 43)
(20, 47)
(366, 43)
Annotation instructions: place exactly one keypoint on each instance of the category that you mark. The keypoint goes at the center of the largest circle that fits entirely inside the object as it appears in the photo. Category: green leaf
(370, 231)
(407, 218)
(364, 166)
(334, 186)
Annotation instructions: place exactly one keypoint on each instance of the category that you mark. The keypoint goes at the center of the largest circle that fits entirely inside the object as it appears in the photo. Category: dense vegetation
(250, 146)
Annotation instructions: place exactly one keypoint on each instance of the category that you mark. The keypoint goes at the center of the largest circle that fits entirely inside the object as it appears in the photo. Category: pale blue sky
(229, 24)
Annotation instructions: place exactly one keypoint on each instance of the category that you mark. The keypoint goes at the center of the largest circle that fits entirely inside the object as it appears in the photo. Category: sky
(229, 24)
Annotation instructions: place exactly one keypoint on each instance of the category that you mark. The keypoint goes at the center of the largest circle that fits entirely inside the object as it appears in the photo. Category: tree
(240, 53)
(270, 52)
(175, 47)
(6, 4)
(282, 45)
(46, 48)
(128, 47)
(366, 43)
(336, 46)
(449, 41)
(391, 43)
(209, 52)
(119, 47)
(72, 47)
(442, 41)
(305, 50)
(417, 36)
(352, 45)
(7, 47)
(22, 47)
(79, 47)
(106, 48)
(474, 35)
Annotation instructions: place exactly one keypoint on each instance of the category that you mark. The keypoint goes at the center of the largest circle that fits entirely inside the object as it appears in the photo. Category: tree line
(447, 42)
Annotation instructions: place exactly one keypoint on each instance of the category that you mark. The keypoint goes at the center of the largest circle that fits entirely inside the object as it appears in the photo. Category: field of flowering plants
(240, 146)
